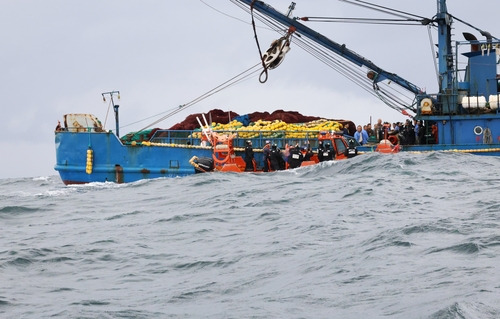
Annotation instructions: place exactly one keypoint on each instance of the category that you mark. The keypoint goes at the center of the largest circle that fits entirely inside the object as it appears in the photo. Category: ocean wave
(4, 302)
(467, 310)
(12, 211)
(27, 257)
(434, 227)
(91, 302)
(202, 264)
(125, 214)
(20, 262)
(463, 248)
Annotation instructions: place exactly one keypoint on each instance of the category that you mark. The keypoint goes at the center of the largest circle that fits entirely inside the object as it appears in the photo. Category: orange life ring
(393, 139)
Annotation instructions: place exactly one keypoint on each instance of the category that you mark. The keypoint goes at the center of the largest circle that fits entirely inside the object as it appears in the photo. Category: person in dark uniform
(327, 154)
(249, 156)
(307, 153)
(295, 158)
(321, 149)
(345, 130)
(276, 159)
(266, 152)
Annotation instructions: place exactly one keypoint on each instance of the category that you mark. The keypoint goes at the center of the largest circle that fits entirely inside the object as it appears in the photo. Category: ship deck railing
(258, 138)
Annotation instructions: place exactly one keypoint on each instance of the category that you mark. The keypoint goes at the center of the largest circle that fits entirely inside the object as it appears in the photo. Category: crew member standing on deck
(295, 158)
(266, 152)
(249, 157)
(276, 159)
(321, 149)
(345, 130)
(417, 129)
(326, 154)
(361, 136)
(307, 153)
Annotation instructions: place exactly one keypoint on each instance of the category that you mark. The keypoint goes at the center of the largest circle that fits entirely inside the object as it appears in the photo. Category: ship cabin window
(340, 146)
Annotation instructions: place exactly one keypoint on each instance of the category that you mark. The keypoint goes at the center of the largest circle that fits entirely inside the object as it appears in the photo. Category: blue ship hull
(115, 162)
(475, 134)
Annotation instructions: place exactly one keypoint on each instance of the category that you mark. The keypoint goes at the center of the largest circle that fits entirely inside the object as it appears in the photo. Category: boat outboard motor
(205, 164)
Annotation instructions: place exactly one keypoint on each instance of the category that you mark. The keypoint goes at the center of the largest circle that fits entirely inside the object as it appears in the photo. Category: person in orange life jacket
(248, 156)
(276, 158)
(361, 136)
(307, 153)
(326, 154)
(434, 133)
(266, 151)
(295, 158)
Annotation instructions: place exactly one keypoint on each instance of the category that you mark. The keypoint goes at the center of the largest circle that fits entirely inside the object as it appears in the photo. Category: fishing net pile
(276, 120)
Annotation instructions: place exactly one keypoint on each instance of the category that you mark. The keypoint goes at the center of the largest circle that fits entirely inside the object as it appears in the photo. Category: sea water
(376, 236)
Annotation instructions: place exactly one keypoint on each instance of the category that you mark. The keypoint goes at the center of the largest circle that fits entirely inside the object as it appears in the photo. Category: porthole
(478, 130)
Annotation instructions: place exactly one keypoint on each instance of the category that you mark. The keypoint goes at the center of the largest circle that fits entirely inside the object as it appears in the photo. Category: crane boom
(378, 74)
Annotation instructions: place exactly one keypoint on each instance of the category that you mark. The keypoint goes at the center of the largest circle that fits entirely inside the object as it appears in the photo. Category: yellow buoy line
(482, 150)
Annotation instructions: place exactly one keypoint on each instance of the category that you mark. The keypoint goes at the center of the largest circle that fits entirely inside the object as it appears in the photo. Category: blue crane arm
(340, 49)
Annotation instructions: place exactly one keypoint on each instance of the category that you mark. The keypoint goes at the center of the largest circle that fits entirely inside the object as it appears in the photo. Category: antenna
(115, 108)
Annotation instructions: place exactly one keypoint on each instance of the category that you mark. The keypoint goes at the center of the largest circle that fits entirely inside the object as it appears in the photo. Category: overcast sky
(58, 56)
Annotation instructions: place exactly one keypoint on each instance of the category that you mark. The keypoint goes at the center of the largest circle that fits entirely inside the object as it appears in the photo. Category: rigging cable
(431, 41)
(351, 71)
(364, 20)
(383, 9)
(483, 33)
(225, 14)
(232, 81)
(107, 113)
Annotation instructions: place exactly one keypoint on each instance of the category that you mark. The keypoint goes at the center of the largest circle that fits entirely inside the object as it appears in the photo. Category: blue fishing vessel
(463, 116)
(86, 152)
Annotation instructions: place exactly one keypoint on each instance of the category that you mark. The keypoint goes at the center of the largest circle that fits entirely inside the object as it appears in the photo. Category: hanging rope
(264, 66)
(107, 113)
(382, 90)
(276, 52)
